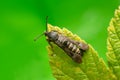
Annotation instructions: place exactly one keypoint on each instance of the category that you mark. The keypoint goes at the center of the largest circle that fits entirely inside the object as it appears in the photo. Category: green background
(22, 20)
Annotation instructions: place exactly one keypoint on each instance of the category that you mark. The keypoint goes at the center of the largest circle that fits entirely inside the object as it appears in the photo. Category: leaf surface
(113, 44)
(64, 68)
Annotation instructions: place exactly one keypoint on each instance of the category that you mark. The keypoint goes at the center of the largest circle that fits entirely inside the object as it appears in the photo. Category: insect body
(73, 48)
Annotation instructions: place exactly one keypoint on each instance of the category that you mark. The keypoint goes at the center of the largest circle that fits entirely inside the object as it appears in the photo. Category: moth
(72, 48)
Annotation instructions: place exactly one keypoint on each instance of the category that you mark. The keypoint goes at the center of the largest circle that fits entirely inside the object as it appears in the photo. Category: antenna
(36, 38)
(46, 23)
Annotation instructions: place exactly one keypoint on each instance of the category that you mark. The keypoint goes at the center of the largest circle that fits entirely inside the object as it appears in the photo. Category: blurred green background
(22, 20)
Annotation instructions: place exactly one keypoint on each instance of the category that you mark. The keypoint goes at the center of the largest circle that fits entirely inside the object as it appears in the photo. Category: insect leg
(81, 52)
(49, 42)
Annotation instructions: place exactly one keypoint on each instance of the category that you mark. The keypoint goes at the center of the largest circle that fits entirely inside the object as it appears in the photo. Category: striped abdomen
(67, 43)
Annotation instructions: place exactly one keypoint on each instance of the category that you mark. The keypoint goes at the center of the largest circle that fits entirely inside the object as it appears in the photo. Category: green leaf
(113, 44)
(64, 68)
